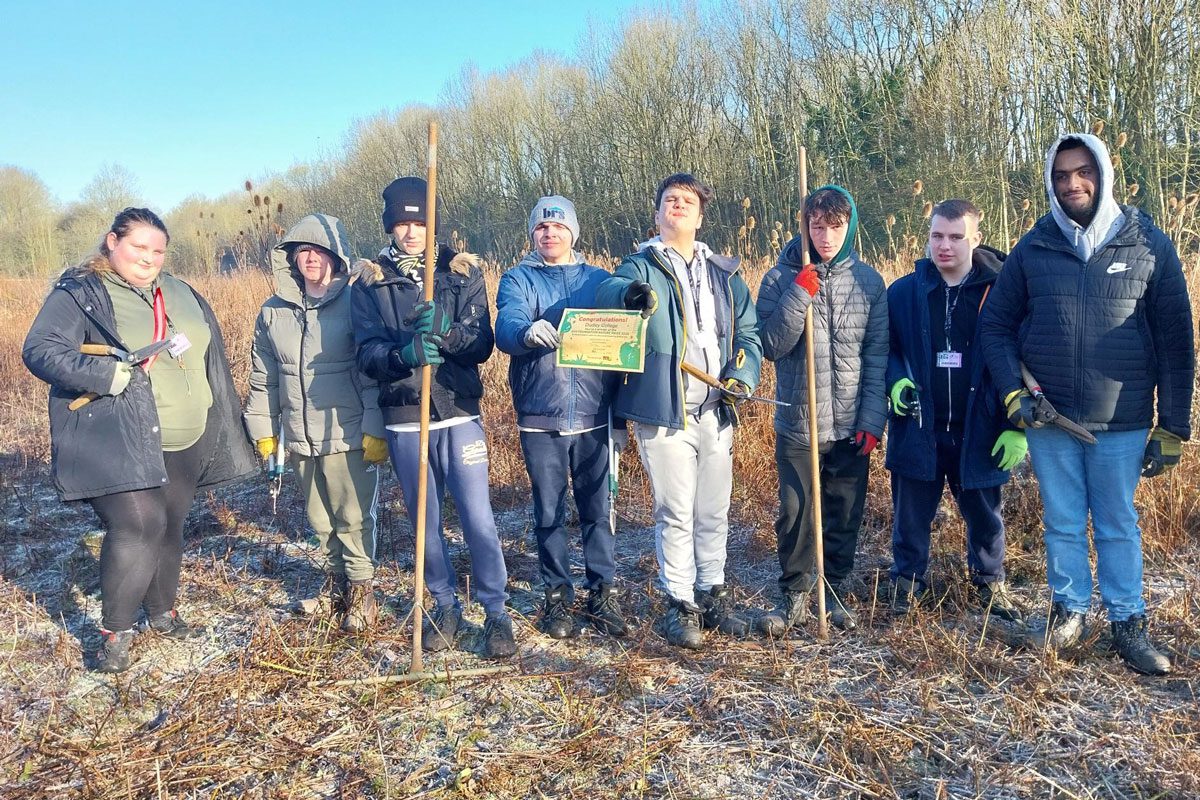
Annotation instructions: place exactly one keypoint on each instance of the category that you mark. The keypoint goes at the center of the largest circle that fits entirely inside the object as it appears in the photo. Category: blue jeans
(550, 457)
(1075, 479)
(458, 461)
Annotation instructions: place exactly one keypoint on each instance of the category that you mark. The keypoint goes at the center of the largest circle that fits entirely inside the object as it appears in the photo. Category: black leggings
(143, 542)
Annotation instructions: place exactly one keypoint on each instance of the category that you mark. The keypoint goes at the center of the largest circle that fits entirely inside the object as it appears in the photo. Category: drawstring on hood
(1108, 218)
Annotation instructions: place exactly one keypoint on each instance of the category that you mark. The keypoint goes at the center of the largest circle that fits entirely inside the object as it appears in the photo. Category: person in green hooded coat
(850, 345)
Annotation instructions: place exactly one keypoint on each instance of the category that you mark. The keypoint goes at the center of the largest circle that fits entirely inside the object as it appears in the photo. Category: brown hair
(684, 180)
(951, 210)
(828, 204)
(125, 222)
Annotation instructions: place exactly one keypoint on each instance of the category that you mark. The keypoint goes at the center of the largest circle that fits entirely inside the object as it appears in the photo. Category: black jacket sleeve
(51, 349)
(1170, 318)
(471, 339)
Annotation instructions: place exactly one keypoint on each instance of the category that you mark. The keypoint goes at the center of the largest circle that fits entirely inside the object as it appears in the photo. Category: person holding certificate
(698, 311)
(563, 417)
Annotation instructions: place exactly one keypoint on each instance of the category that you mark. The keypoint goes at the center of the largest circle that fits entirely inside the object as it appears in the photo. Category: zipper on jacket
(303, 393)
(670, 273)
(1079, 339)
(832, 361)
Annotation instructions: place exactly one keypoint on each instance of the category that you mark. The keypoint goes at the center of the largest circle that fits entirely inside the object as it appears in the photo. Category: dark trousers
(143, 542)
(550, 457)
(916, 502)
(843, 494)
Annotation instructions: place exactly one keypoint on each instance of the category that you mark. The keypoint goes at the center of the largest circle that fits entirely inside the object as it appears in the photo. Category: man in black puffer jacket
(1093, 301)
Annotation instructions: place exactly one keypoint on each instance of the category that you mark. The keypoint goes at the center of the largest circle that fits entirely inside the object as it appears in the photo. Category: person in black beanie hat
(396, 332)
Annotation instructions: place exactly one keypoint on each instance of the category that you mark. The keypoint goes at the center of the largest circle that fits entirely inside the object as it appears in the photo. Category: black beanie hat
(404, 201)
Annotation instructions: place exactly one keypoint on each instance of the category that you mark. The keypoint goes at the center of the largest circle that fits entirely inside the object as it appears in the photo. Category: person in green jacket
(305, 385)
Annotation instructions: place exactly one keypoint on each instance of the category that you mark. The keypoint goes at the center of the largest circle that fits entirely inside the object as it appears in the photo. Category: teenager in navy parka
(563, 416)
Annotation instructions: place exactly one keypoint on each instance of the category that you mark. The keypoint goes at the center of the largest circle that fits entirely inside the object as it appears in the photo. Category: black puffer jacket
(113, 444)
(1102, 337)
(850, 330)
(380, 301)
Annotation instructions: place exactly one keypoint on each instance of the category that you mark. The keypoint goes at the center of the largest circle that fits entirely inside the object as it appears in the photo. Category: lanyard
(946, 324)
(695, 284)
(161, 322)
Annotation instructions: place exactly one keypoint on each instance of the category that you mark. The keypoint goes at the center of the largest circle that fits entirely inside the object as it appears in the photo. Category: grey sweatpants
(691, 474)
(340, 493)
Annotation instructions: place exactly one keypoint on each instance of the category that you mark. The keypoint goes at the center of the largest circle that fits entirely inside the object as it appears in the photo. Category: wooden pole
(418, 615)
(813, 433)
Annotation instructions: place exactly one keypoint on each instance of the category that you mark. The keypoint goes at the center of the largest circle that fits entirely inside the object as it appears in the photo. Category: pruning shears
(1046, 414)
(139, 356)
(275, 468)
(709, 380)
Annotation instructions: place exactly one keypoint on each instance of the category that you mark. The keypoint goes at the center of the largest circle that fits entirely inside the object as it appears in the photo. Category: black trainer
(995, 598)
(839, 616)
(439, 631)
(113, 655)
(791, 611)
(604, 612)
(1063, 630)
(681, 624)
(172, 625)
(558, 620)
(1135, 648)
(719, 613)
(498, 640)
(907, 594)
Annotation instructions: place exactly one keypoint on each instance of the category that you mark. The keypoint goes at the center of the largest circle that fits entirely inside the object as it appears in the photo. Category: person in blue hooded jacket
(562, 414)
(948, 425)
(1093, 301)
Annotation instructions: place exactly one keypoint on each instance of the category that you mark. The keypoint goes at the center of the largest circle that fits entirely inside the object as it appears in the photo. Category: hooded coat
(657, 396)
(912, 448)
(546, 396)
(113, 444)
(304, 379)
(850, 339)
(381, 301)
(1107, 336)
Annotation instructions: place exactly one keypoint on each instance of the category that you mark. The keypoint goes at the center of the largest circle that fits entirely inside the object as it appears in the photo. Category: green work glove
(1010, 450)
(421, 351)
(1019, 406)
(904, 396)
(1162, 453)
(427, 317)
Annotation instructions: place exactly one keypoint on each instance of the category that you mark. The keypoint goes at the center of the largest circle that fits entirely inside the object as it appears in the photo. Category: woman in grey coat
(304, 384)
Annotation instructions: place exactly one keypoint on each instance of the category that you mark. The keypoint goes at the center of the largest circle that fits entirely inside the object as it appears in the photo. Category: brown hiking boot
(330, 600)
(361, 609)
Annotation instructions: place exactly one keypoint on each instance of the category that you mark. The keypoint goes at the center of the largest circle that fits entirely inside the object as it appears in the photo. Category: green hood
(791, 253)
(319, 229)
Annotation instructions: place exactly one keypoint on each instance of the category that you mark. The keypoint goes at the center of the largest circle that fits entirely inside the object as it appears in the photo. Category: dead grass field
(941, 706)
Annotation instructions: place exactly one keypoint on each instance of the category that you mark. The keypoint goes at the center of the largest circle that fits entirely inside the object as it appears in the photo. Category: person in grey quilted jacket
(850, 337)
(306, 386)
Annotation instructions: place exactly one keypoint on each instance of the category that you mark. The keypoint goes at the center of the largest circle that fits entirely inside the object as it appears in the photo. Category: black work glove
(1020, 405)
(641, 297)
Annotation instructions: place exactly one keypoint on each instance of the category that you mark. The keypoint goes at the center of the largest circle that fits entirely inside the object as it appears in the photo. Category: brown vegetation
(939, 707)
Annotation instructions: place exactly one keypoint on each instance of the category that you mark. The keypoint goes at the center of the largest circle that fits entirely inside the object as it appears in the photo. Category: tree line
(904, 102)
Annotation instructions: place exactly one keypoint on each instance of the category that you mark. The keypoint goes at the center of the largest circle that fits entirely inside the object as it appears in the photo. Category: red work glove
(866, 442)
(807, 280)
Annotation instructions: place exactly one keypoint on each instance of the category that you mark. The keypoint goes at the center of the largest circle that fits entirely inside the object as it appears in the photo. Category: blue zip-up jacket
(545, 396)
(912, 450)
(656, 396)
(1104, 337)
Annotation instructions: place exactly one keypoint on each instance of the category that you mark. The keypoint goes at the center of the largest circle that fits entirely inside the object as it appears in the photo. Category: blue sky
(196, 97)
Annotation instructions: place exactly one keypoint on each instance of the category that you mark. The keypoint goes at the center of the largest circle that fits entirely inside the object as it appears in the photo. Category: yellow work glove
(375, 450)
(266, 446)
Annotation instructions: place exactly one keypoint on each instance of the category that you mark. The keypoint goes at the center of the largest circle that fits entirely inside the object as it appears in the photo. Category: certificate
(602, 339)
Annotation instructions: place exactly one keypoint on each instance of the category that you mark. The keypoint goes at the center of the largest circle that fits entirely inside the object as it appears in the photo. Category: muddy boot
(328, 602)
(558, 620)
(603, 611)
(441, 629)
(361, 609)
(172, 625)
(906, 596)
(1135, 648)
(1063, 629)
(995, 598)
(791, 611)
(719, 613)
(498, 639)
(839, 616)
(113, 655)
(681, 624)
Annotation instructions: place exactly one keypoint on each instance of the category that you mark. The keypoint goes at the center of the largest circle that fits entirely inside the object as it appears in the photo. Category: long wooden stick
(813, 433)
(418, 617)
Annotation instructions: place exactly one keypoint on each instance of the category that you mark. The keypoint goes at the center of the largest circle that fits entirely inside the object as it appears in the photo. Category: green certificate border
(626, 354)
